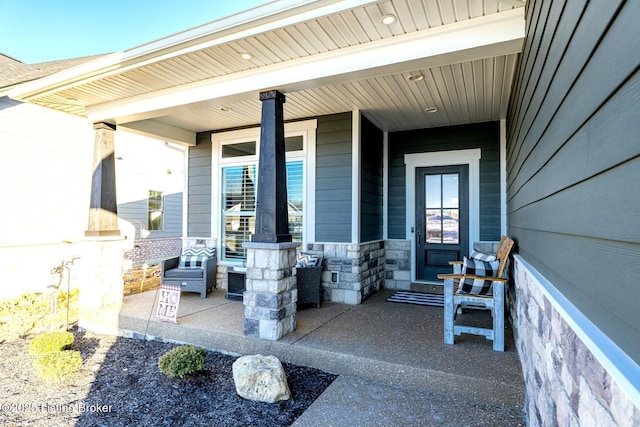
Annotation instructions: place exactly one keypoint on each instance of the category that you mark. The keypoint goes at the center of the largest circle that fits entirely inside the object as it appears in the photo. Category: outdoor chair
(479, 283)
(309, 275)
(193, 271)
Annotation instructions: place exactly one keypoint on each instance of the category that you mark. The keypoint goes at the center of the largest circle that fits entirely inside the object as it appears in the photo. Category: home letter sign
(168, 303)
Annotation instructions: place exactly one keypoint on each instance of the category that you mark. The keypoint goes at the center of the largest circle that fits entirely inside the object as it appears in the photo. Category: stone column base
(271, 292)
(101, 284)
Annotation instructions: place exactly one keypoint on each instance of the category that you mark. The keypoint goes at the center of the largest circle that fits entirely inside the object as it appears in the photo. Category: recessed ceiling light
(431, 109)
(246, 55)
(415, 77)
(388, 19)
(225, 109)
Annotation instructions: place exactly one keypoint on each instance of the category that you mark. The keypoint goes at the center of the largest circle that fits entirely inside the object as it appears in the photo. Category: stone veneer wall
(398, 265)
(360, 270)
(153, 250)
(565, 384)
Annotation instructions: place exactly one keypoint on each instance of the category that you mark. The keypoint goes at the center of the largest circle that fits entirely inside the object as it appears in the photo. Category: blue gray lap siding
(573, 159)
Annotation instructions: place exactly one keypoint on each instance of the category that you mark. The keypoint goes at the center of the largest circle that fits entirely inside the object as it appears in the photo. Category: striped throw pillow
(195, 257)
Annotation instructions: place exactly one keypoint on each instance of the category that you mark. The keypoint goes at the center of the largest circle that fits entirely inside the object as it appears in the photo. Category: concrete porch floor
(376, 347)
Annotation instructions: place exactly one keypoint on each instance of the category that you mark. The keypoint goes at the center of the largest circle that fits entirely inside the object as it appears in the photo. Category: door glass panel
(442, 209)
(450, 190)
(434, 226)
(433, 194)
(450, 226)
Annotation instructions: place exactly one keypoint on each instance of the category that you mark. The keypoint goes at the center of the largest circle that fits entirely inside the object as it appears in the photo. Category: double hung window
(155, 210)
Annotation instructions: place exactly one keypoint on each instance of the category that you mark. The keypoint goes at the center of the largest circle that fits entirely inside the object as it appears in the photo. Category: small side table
(236, 283)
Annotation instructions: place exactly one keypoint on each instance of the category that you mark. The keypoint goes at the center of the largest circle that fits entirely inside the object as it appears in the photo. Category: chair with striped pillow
(478, 282)
(194, 270)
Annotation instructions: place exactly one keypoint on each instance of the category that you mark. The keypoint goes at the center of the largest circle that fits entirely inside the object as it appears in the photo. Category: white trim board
(443, 158)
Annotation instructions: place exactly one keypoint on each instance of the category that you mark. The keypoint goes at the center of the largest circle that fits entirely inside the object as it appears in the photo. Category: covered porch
(396, 345)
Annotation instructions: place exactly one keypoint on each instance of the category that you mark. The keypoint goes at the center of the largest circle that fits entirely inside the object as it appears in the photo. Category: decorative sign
(168, 303)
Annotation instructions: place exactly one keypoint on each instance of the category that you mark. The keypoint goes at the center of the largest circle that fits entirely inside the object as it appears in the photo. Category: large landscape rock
(260, 378)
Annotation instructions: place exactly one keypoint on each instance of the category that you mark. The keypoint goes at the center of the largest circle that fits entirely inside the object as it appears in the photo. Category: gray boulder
(260, 378)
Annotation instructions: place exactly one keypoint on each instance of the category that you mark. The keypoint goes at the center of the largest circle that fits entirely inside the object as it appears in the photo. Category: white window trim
(442, 158)
(355, 176)
(306, 128)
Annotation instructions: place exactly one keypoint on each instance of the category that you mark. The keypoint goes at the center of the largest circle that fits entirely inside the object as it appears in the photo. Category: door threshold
(428, 287)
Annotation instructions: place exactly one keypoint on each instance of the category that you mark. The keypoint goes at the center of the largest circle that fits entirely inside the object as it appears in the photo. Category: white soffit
(488, 36)
(258, 20)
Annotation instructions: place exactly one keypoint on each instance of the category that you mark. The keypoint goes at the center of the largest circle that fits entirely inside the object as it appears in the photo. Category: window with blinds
(238, 158)
(239, 209)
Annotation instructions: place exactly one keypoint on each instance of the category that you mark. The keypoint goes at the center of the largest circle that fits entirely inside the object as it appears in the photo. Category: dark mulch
(120, 385)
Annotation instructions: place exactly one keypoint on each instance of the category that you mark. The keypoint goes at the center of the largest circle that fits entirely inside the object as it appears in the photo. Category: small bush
(182, 360)
(51, 342)
(57, 364)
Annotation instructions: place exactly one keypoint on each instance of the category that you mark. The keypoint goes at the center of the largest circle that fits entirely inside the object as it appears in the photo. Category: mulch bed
(120, 384)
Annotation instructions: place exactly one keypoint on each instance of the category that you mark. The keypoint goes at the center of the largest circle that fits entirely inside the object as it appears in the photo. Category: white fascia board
(488, 36)
(274, 15)
(164, 131)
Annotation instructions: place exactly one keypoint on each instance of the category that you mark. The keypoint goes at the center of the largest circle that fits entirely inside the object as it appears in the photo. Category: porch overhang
(333, 57)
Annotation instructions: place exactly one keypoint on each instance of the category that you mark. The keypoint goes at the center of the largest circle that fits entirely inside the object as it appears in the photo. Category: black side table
(236, 284)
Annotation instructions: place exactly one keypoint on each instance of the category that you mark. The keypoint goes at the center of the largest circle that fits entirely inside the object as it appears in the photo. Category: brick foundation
(152, 251)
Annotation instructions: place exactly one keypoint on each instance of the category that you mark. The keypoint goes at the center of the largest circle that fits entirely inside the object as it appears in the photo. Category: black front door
(442, 219)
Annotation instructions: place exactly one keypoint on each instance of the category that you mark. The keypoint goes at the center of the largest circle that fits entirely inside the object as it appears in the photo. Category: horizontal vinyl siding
(333, 178)
(573, 158)
(172, 217)
(144, 164)
(371, 187)
(485, 136)
(199, 209)
(45, 174)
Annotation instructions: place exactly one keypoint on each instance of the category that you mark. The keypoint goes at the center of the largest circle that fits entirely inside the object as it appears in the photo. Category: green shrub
(182, 360)
(50, 342)
(56, 365)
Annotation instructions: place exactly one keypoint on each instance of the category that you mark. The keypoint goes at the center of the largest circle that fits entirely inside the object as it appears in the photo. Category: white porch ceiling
(466, 51)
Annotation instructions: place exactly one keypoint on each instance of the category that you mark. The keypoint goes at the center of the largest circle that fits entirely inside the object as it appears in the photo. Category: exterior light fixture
(225, 109)
(246, 55)
(431, 110)
(415, 77)
(388, 19)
